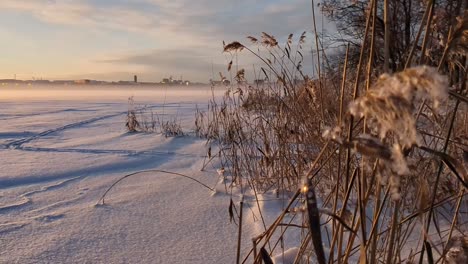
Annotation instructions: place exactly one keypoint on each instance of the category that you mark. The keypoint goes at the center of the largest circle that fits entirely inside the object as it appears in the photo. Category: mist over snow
(62, 147)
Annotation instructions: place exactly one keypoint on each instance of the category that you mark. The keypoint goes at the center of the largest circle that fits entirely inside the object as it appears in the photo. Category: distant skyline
(113, 40)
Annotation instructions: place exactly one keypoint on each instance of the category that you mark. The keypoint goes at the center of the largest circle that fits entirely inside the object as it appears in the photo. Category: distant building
(83, 81)
(125, 82)
(172, 81)
(41, 81)
(9, 81)
(64, 82)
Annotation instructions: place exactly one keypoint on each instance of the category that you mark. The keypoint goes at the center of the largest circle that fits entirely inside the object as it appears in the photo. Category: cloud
(205, 20)
(193, 62)
(187, 34)
(82, 13)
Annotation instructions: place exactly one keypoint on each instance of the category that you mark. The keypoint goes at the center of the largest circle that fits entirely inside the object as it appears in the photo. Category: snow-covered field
(62, 147)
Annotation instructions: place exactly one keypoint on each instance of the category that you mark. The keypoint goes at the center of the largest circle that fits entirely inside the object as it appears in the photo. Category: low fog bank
(106, 93)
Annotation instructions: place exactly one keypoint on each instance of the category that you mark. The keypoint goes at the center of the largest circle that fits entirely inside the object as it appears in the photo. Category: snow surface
(62, 147)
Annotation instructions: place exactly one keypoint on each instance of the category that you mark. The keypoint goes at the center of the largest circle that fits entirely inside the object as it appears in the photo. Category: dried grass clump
(269, 40)
(389, 110)
(268, 132)
(132, 123)
(388, 178)
(171, 128)
(234, 46)
(391, 104)
(457, 250)
(144, 119)
(259, 100)
(458, 45)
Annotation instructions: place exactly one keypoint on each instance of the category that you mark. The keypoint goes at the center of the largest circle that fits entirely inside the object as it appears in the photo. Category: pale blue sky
(114, 39)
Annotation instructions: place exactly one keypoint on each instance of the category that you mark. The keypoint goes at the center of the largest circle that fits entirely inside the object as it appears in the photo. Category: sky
(115, 39)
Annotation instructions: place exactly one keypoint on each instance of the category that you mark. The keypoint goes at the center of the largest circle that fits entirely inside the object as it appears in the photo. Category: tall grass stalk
(385, 138)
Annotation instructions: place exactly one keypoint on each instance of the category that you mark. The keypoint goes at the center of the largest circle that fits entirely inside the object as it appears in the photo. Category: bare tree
(406, 19)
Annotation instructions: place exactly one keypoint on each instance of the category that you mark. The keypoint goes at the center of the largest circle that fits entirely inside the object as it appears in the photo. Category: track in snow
(110, 151)
(11, 117)
(17, 144)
